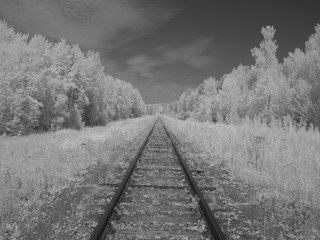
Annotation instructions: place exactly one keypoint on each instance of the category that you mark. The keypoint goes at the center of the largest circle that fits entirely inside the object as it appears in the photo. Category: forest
(269, 89)
(48, 86)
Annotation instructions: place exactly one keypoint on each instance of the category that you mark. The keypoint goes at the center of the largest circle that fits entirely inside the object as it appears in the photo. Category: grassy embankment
(33, 168)
(281, 162)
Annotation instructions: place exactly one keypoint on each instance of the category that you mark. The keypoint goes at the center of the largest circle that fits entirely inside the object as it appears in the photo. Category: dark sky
(164, 47)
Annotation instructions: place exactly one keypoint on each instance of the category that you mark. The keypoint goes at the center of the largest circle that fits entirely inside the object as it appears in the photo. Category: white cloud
(143, 65)
(150, 67)
(192, 54)
(157, 88)
(92, 24)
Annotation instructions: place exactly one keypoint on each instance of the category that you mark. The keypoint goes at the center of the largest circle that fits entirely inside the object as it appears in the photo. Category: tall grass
(32, 167)
(280, 160)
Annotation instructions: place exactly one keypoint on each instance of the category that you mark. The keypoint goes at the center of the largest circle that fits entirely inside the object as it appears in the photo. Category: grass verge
(34, 168)
(282, 165)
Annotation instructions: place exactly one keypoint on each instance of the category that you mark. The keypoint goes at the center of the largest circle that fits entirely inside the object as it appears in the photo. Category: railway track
(158, 198)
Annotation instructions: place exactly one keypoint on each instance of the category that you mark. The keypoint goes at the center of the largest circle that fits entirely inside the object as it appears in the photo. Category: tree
(303, 71)
(265, 55)
(45, 86)
(268, 89)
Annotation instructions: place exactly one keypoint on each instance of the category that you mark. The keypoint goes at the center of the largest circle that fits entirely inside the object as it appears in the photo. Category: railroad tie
(157, 199)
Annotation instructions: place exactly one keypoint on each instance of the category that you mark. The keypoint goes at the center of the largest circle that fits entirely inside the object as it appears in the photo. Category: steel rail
(99, 231)
(211, 220)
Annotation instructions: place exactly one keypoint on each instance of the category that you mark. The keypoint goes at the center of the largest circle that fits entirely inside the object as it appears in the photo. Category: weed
(34, 168)
(279, 160)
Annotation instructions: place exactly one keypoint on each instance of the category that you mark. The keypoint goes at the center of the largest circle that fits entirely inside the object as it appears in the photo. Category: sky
(164, 47)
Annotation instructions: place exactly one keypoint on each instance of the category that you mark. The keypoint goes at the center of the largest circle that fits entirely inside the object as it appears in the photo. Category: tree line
(46, 86)
(268, 89)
